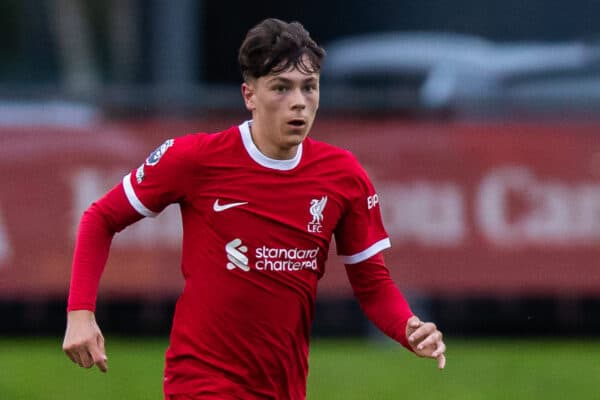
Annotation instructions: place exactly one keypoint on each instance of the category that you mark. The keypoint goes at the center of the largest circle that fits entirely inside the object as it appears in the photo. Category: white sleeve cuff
(368, 252)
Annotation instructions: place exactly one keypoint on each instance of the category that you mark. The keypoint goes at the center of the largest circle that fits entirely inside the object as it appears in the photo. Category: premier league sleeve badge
(156, 155)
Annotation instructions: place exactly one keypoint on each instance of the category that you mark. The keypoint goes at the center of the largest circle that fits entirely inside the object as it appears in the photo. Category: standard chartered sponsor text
(279, 259)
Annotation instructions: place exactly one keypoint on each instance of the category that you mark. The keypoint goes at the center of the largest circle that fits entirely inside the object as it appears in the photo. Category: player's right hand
(84, 343)
(426, 340)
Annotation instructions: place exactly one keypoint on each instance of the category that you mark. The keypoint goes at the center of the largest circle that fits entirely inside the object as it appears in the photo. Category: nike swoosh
(222, 207)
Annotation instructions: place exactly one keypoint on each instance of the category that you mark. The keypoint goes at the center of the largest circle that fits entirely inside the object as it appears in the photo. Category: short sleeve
(158, 182)
(360, 234)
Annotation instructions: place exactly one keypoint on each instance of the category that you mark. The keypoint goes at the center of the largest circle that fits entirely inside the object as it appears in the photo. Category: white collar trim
(260, 158)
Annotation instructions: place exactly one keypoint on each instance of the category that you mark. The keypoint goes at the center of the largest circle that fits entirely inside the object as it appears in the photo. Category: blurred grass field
(36, 369)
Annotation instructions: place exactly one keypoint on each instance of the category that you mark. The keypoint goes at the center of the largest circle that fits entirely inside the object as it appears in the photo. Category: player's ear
(248, 89)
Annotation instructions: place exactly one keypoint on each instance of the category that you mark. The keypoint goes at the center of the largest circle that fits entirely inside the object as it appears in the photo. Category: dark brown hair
(274, 46)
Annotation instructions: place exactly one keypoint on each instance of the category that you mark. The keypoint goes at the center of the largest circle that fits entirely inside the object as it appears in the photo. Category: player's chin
(297, 132)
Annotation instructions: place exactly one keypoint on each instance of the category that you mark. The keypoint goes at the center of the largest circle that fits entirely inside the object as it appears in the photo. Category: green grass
(36, 369)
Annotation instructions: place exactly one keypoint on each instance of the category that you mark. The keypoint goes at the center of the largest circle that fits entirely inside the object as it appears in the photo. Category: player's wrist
(81, 314)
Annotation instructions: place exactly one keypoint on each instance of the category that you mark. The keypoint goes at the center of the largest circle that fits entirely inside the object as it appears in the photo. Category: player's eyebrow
(280, 79)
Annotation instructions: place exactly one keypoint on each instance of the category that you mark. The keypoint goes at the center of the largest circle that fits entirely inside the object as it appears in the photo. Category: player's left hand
(426, 340)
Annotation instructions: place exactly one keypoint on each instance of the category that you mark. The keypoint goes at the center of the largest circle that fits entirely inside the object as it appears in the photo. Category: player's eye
(280, 88)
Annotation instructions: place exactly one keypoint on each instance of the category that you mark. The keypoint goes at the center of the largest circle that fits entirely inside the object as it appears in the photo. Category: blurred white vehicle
(436, 70)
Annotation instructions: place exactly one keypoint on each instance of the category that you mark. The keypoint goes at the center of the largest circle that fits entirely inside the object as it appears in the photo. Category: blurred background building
(478, 121)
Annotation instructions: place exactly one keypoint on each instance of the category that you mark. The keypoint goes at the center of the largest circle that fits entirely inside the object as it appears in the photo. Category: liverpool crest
(316, 211)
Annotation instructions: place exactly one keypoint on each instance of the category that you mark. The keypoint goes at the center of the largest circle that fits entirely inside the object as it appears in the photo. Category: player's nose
(298, 100)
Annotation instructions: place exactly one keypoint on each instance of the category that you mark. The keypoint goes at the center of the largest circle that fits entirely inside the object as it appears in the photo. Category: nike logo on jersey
(222, 207)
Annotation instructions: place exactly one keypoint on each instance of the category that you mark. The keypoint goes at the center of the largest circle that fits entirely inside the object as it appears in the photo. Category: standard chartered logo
(235, 254)
(272, 259)
(277, 259)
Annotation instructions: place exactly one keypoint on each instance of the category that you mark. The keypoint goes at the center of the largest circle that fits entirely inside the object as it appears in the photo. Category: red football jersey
(256, 234)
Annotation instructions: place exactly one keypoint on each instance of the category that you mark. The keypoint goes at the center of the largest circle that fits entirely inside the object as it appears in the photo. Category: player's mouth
(297, 123)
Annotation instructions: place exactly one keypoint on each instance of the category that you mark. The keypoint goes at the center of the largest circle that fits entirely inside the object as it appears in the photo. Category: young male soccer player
(260, 203)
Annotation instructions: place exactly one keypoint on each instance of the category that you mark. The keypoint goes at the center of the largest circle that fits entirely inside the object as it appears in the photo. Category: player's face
(283, 109)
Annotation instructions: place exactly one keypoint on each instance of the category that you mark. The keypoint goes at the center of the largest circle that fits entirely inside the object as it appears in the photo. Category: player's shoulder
(191, 145)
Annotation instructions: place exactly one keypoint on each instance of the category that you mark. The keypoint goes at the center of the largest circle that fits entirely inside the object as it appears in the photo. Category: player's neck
(268, 147)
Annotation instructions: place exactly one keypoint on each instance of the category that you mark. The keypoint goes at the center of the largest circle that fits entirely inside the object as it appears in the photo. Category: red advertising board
(477, 208)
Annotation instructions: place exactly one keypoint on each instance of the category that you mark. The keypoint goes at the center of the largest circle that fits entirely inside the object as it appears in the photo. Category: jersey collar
(260, 158)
